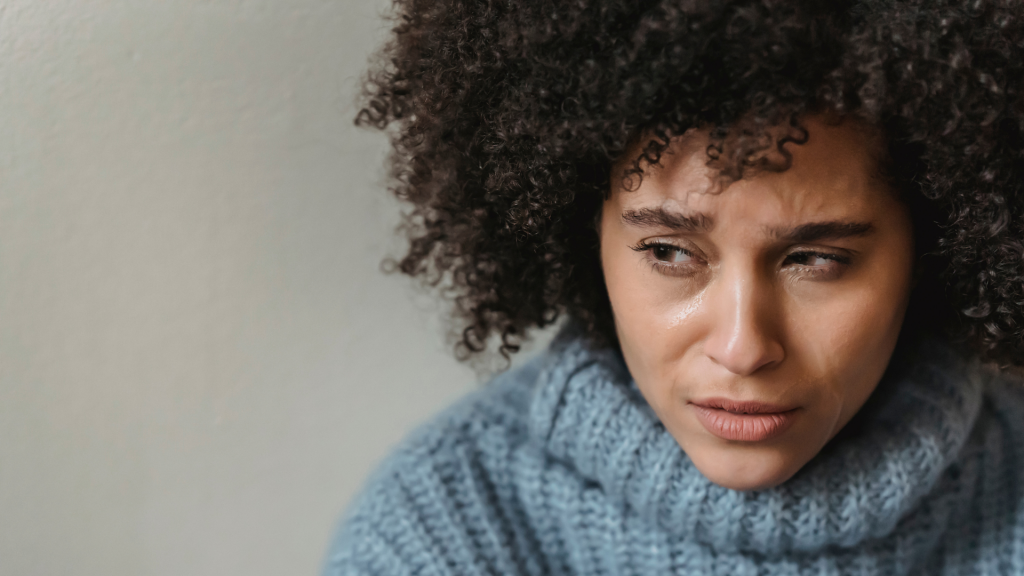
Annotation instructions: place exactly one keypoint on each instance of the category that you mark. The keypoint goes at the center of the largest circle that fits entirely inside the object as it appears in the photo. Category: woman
(787, 241)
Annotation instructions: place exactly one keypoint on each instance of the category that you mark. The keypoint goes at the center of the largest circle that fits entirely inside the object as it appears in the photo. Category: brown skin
(750, 307)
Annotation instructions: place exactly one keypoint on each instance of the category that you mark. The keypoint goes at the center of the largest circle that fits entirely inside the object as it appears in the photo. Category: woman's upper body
(561, 467)
(786, 234)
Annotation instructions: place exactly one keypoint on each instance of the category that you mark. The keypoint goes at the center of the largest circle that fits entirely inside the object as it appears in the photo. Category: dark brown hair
(506, 117)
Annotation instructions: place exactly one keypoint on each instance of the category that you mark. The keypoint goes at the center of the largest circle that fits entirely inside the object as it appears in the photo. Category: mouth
(743, 421)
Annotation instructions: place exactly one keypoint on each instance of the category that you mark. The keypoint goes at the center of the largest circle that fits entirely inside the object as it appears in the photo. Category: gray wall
(199, 358)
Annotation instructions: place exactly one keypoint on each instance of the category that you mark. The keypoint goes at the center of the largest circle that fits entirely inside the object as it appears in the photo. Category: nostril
(745, 354)
(742, 336)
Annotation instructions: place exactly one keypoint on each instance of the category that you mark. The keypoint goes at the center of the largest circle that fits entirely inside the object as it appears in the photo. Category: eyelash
(839, 259)
(665, 267)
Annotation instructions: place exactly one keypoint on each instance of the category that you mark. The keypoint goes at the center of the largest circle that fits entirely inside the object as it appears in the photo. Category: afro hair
(506, 117)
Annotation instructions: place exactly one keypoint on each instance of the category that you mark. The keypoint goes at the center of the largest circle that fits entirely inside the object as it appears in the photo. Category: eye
(669, 259)
(670, 254)
(816, 259)
(817, 264)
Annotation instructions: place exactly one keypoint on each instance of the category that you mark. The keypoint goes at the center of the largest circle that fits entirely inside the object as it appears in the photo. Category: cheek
(847, 341)
(634, 313)
(654, 315)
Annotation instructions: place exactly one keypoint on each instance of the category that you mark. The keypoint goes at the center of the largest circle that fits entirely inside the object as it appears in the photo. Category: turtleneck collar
(897, 474)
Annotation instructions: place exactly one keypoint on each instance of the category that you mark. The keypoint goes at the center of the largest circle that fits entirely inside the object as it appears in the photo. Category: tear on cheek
(688, 309)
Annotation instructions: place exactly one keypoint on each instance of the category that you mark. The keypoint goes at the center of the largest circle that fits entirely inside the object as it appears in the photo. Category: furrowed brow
(814, 231)
(661, 218)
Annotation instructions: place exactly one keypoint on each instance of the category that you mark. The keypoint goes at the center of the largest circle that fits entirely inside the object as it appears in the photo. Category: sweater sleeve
(380, 535)
(442, 504)
(1006, 395)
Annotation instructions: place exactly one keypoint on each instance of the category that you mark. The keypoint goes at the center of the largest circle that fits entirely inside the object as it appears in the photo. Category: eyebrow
(814, 231)
(699, 222)
(660, 217)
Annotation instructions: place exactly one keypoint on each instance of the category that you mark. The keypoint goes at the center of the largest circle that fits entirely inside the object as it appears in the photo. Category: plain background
(200, 360)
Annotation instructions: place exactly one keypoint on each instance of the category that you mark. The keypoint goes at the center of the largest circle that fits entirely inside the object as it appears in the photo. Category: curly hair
(506, 117)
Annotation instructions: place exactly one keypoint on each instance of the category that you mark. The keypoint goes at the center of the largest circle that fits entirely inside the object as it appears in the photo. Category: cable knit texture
(561, 468)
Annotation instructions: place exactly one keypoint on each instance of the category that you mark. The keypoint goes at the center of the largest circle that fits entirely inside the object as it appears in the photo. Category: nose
(743, 337)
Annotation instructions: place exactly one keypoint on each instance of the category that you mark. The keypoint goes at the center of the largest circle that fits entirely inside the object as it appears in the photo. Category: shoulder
(436, 505)
(1004, 399)
(1002, 468)
(1004, 392)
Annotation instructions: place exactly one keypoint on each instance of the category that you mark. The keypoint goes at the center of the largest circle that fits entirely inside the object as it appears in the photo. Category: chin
(745, 469)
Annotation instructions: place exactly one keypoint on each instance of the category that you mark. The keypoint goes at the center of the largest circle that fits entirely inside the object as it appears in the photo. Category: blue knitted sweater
(561, 467)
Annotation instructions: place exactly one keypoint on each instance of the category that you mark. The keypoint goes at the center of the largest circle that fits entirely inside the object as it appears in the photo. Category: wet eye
(669, 254)
(813, 259)
(817, 265)
(669, 259)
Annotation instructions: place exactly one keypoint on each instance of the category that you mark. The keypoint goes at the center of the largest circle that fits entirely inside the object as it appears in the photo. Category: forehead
(832, 175)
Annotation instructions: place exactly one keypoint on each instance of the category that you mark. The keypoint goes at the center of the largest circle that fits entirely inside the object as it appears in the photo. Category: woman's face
(757, 320)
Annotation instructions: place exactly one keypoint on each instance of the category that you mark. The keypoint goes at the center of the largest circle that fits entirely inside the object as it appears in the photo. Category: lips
(743, 421)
